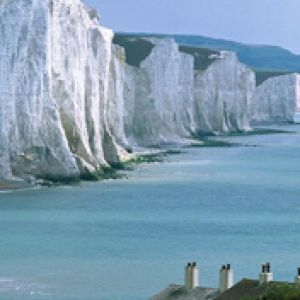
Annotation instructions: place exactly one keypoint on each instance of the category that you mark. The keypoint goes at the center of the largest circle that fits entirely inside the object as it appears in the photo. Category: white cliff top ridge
(72, 103)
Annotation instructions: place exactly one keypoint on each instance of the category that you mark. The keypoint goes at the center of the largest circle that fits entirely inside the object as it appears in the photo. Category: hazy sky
(274, 22)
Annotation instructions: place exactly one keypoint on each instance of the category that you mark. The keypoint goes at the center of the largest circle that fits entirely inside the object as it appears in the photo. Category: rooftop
(179, 292)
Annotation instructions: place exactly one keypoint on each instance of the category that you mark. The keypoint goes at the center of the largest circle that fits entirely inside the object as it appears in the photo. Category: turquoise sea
(128, 239)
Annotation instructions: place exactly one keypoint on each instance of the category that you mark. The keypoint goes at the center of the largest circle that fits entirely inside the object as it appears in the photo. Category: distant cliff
(276, 99)
(187, 90)
(75, 99)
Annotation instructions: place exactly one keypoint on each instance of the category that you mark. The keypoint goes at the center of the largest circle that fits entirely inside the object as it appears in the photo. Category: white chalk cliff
(72, 102)
(276, 99)
(167, 99)
(55, 92)
(222, 95)
(159, 96)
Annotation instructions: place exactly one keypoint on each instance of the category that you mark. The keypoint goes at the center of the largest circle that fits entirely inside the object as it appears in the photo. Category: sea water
(128, 239)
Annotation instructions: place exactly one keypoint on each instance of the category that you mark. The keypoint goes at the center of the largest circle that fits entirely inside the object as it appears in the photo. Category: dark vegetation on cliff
(203, 57)
(263, 75)
(137, 49)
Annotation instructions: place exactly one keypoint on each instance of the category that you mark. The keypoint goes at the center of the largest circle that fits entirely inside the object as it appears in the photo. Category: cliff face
(54, 98)
(222, 95)
(116, 103)
(82, 59)
(159, 95)
(32, 135)
(298, 92)
(174, 93)
(171, 84)
(276, 99)
(139, 108)
(72, 102)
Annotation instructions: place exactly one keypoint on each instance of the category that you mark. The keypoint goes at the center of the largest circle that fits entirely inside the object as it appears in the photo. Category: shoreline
(7, 186)
(154, 155)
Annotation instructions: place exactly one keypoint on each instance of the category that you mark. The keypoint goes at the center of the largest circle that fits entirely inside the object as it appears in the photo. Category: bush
(278, 292)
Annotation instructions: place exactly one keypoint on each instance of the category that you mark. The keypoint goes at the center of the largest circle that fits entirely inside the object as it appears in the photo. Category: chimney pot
(297, 278)
(265, 276)
(226, 278)
(191, 275)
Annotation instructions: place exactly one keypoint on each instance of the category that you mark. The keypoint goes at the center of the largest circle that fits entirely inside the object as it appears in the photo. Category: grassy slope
(256, 56)
(267, 61)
